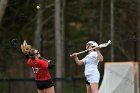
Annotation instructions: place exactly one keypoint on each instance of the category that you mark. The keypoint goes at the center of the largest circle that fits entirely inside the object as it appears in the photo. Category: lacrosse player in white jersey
(91, 61)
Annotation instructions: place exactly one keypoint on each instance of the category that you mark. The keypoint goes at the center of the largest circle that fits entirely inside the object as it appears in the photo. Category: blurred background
(57, 28)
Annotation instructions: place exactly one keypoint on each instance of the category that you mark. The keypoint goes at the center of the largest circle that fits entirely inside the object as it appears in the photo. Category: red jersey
(40, 69)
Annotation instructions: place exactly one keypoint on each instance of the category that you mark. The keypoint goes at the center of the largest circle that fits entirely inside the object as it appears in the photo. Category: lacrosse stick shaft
(45, 59)
(84, 51)
(100, 46)
(15, 43)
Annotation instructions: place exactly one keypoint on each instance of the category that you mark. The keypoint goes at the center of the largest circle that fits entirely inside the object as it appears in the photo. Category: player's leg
(40, 91)
(88, 88)
(93, 79)
(49, 90)
(94, 87)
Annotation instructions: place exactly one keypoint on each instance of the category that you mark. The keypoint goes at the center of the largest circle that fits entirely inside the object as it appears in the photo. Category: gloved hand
(51, 65)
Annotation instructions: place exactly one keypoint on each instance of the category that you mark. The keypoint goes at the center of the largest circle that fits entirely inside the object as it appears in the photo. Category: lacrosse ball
(37, 6)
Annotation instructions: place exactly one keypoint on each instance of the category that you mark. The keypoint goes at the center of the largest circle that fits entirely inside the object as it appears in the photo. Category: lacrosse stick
(16, 44)
(100, 46)
(45, 59)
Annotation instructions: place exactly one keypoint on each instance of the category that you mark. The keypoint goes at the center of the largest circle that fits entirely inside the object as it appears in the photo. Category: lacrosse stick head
(14, 43)
(105, 44)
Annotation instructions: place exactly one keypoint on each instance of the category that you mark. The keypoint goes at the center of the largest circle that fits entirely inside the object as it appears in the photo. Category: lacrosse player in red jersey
(91, 66)
(41, 73)
(40, 69)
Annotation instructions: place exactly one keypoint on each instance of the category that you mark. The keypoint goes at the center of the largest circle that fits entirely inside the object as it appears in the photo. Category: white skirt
(93, 77)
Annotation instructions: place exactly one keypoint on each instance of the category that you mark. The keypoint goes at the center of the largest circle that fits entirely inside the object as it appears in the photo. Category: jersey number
(35, 69)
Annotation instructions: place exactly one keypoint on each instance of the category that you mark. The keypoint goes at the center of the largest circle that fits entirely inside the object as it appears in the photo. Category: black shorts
(42, 84)
(88, 83)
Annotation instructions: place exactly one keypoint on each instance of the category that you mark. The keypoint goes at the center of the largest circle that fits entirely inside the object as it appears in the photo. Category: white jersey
(91, 66)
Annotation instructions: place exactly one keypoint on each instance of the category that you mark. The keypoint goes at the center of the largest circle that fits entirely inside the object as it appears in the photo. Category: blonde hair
(25, 48)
